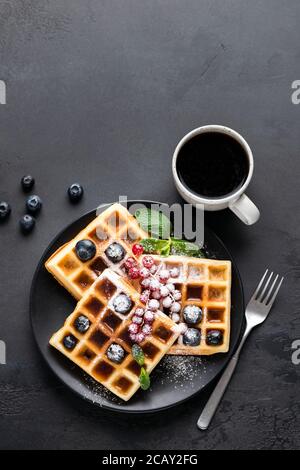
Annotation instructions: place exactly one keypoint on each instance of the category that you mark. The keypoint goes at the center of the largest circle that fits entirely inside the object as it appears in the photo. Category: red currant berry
(167, 302)
(144, 272)
(146, 329)
(164, 276)
(164, 291)
(175, 317)
(133, 328)
(154, 284)
(144, 297)
(148, 261)
(134, 273)
(137, 249)
(130, 263)
(176, 294)
(132, 336)
(175, 307)
(156, 294)
(174, 272)
(153, 269)
(149, 316)
(153, 305)
(171, 287)
(139, 312)
(137, 320)
(145, 283)
(140, 337)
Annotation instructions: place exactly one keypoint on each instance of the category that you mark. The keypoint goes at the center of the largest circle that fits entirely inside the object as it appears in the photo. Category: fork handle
(215, 398)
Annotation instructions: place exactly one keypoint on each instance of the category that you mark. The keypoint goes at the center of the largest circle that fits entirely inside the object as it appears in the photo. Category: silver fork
(257, 311)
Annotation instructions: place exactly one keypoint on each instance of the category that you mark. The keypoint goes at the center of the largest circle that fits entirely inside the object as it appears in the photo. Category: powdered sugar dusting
(102, 394)
(180, 370)
(177, 372)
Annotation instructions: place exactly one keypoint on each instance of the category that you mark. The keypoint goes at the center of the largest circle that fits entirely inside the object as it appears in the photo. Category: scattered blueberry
(34, 204)
(82, 323)
(75, 192)
(85, 250)
(27, 223)
(192, 314)
(191, 337)
(122, 304)
(27, 183)
(5, 210)
(214, 337)
(115, 252)
(69, 342)
(115, 353)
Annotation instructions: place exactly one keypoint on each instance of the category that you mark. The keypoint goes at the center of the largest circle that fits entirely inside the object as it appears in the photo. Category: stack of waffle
(95, 336)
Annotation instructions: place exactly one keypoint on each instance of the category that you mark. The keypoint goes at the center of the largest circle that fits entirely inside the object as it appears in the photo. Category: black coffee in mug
(212, 164)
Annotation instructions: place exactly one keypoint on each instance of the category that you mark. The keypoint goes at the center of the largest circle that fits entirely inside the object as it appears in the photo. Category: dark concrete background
(100, 92)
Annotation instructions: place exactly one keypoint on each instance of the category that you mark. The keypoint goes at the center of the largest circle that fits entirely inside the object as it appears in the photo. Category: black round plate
(175, 379)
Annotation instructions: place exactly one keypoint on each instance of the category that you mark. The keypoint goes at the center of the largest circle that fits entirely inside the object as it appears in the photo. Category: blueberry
(115, 252)
(5, 210)
(34, 204)
(69, 342)
(122, 304)
(82, 323)
(27, 223)
(85, 250)
(27, 183)
(192, 314)
(115, 353)
(214, 337)
(191, 337)
(75, 192)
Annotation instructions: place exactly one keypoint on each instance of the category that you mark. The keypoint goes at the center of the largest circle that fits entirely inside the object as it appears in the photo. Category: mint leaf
(144, 379)
(154, 222)
(155, 246)
(165, 251)
(138, 354)
(172, 246)
(183, 247)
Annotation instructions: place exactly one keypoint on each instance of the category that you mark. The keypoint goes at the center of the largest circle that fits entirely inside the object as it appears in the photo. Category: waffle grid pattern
(115, 224)
(207, 284)
(107, 327)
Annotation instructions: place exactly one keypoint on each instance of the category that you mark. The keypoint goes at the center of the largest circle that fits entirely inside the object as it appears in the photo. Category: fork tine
(271, 290)
(259, 285)
(260, 297)
(274, 295)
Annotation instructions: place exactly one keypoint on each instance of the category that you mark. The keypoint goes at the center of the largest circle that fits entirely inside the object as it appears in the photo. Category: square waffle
(115, 224)
(205, 283)
(106, 326)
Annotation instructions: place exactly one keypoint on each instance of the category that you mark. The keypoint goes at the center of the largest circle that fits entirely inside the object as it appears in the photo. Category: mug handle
(245, 209)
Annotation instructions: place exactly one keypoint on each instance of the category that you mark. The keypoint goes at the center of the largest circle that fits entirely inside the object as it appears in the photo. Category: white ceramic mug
(237, 201)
